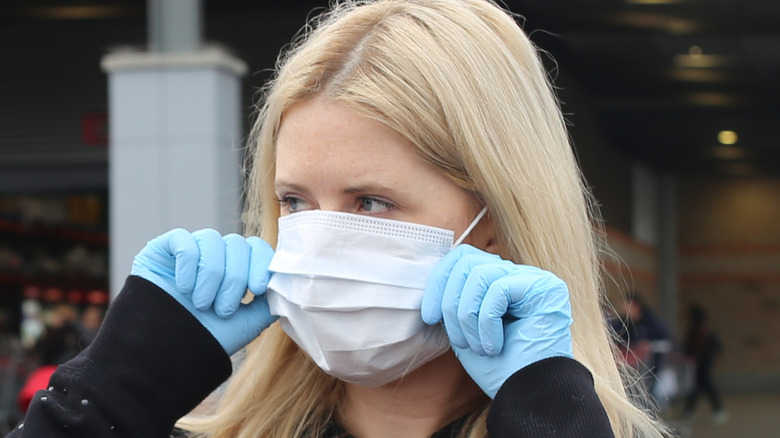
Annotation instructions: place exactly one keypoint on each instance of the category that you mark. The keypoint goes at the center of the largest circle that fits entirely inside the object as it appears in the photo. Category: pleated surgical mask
(348, 290)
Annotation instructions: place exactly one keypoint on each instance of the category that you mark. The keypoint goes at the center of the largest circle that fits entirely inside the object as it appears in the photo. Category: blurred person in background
(89, 324)
(10, 343)
(58, 344)
(646, 341)
(703, 346)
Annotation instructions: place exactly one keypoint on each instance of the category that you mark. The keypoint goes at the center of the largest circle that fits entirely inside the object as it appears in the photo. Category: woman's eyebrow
(370, 188)
(290, 186)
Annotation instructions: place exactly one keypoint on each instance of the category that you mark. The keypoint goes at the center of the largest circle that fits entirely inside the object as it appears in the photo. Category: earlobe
(485, 235)
(492, 246)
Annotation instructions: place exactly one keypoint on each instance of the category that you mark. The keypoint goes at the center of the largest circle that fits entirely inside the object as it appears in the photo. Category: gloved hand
(500, 317)
(209, 274)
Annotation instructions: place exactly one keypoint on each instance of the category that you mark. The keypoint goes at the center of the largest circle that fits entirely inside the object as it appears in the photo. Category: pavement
(749, 416)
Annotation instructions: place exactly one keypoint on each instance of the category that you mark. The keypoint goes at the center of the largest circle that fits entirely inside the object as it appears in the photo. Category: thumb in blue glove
(500, 317)
(209, 274)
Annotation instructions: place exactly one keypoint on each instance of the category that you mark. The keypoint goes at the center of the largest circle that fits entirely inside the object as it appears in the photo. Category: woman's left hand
(500, 317)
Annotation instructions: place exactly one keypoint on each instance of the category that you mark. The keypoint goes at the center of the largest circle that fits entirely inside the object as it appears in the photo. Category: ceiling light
(695, 58)
(702, 61)
(662, 22)
(713, 99)
(79, 12)
(697, 75)
(727, 137)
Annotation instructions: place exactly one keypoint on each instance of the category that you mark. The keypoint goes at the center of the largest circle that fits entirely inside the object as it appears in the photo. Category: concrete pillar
(668, 251)
(174, 25)
(644, 205)
(175, 147)
(654, 222)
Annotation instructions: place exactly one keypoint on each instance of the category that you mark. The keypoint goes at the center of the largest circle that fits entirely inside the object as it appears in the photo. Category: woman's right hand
(209, 274)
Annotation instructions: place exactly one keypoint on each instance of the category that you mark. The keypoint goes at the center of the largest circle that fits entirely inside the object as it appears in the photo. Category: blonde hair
(462, 82)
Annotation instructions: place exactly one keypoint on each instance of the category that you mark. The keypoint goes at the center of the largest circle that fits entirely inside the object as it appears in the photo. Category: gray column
(174, 25)
(668, 258)
(644, 205)
(175, 141)
(654, 221)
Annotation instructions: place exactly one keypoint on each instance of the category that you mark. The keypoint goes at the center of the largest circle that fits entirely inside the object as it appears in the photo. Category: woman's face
(330, 157)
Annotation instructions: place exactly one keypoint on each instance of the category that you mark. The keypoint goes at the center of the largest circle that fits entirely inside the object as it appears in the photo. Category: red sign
(94, 129)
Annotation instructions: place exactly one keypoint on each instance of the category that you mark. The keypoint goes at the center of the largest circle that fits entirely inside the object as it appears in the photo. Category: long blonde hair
(462, 82)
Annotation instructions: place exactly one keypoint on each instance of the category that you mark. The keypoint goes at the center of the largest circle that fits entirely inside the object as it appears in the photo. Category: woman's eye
(373, 205)
(292, 204)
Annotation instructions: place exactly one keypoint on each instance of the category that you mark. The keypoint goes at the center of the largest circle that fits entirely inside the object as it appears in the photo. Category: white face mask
(348, 289)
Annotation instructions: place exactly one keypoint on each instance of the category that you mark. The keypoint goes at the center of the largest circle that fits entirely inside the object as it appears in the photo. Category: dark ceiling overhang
(666, 76)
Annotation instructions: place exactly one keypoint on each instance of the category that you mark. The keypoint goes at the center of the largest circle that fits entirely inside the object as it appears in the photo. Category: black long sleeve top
(152, 362)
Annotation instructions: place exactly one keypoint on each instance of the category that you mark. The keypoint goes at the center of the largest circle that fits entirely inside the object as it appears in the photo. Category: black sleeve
(551, 398)
(151, 363)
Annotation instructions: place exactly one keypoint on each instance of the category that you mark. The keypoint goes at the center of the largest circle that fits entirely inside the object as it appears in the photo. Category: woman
(394, 128)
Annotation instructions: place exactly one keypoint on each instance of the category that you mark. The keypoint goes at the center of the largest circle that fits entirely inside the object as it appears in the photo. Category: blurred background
(120, 119)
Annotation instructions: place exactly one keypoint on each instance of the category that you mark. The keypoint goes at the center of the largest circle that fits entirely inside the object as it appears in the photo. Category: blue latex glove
(500, 317)
(209, 274)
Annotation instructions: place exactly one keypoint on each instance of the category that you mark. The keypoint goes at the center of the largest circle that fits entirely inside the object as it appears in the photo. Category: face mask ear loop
(470, 227)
